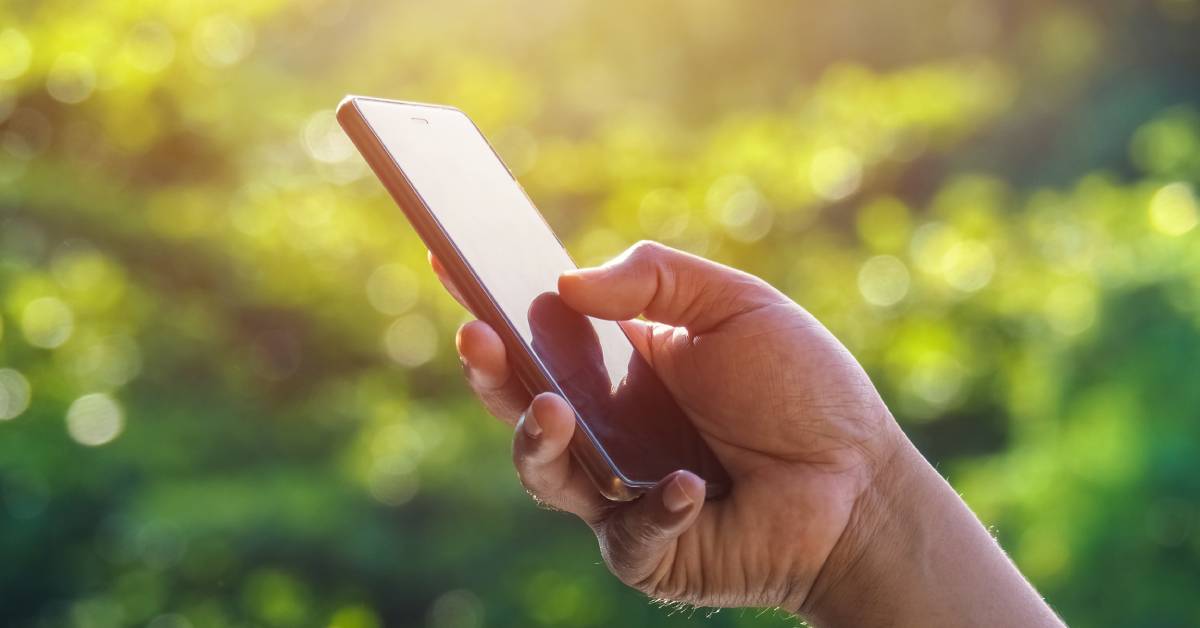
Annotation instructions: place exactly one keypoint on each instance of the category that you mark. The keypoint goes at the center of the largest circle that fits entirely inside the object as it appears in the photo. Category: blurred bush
(227, 390)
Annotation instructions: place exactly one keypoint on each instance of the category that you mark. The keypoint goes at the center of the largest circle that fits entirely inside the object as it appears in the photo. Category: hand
(783, 405)
(832, 514)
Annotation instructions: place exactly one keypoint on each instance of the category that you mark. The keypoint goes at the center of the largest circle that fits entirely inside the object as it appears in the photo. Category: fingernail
(529, 423)
(466, 367)
(675, 497)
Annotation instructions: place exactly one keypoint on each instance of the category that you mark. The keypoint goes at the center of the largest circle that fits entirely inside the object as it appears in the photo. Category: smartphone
(474, 216)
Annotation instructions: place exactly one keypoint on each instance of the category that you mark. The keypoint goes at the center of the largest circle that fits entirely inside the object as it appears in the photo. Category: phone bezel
(586, 448)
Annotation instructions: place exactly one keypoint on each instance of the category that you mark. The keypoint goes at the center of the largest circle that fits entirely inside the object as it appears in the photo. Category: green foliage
(228, 394)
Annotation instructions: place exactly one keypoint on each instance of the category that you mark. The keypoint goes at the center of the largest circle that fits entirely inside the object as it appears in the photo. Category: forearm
(915, 555)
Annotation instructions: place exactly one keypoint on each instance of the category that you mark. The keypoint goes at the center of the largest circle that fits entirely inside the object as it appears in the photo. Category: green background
(227, 379)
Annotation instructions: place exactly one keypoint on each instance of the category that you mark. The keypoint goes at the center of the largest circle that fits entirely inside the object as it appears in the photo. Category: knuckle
(647, 250)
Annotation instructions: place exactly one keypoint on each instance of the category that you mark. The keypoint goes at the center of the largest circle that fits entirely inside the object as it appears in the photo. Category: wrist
(893, 517)
(913, 554)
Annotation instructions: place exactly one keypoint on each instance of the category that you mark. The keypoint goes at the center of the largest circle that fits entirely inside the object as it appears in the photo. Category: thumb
(636, 538)
(667, 286)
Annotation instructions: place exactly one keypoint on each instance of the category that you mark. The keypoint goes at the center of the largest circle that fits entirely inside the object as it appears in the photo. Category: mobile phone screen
(517, 259)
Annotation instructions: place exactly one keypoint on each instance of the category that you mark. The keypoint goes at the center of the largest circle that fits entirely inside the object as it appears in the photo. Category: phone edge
(609, 480)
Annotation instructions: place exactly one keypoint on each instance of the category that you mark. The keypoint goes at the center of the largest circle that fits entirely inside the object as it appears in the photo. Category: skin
(833, 514)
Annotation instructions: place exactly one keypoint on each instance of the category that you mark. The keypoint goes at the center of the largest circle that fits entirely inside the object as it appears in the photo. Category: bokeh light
(411, 340)
(883, 280)
(392, 289)
(222, 40)
(72, 78)
(95, 419)
(15, 53)
(835, 173)
(968, 265)
(325, 140)
(47, 322)
(14, 394)
(1173, 209)
(150, 46)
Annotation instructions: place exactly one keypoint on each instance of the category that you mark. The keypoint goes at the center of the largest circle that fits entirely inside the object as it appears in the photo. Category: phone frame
(585, 447)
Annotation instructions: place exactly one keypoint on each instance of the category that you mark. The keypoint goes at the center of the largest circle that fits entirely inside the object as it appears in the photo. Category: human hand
(783, 405)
